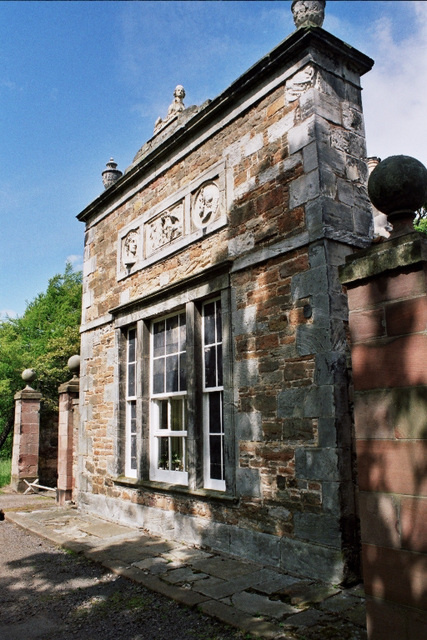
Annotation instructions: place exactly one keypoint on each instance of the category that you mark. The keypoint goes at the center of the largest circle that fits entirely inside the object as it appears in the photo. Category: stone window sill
(163, 487)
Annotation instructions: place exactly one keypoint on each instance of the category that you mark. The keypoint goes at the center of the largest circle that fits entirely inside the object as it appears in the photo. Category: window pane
(176, 414)
(182, 333)
(215, 412)
(132, 345)
(131, 379)
(215, 446)
(218, 321)
(163, 453)
(133, 453)
(159, 339)
(177, 454)
(159, 375)
(183, 372)
(172, 334)
(209, 314)
(219, 364)
(163, 414)
(210, 367)
(133, 416)
(172, 373)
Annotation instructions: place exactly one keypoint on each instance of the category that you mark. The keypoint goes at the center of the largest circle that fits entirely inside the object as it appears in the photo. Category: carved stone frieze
(164, 228)
(197, 208)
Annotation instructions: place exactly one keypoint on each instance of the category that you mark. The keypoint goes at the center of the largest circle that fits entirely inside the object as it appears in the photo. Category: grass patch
(5, 465)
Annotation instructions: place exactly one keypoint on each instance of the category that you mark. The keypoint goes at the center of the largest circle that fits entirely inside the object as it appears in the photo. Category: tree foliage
(420, 222)
(42, 339)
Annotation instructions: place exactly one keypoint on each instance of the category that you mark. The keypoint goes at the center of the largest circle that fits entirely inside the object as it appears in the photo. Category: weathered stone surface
(261, 605)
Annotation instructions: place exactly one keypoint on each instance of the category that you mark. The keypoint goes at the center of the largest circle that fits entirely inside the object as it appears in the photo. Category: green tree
(42, 339)
(420, 222)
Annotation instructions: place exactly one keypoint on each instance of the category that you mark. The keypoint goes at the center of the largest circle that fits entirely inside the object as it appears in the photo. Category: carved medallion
(206, 205)
(164, 228)
(130, 248)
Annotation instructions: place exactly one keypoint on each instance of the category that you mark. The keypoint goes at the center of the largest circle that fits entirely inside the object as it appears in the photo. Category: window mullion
(194, 443)
(144, 358)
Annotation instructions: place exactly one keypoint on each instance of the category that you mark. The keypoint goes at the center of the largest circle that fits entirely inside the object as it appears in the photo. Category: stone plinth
(68, 394)
(25, 454)
(387, 293)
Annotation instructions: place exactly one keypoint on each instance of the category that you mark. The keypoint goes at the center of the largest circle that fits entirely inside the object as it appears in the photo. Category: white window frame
(209, 482)
(171, 476)
(131, 435)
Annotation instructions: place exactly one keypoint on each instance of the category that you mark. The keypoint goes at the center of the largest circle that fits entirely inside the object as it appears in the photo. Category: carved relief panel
(187, 215)
(164, 229)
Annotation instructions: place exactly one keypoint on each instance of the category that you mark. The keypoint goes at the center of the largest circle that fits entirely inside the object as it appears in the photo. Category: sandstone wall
(285, 144)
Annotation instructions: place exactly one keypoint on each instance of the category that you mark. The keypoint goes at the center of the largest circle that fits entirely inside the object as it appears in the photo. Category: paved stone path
(259, 600)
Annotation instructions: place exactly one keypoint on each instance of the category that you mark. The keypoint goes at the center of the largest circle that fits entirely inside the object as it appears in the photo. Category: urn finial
(308, 13)
(111, 174)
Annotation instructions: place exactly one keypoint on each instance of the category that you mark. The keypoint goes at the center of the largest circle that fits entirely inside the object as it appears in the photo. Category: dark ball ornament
(398, 184)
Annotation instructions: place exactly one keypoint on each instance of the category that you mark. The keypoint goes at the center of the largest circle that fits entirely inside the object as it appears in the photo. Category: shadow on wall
(391, 430)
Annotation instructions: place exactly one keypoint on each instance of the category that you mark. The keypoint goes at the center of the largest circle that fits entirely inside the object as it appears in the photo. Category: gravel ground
(49, 594)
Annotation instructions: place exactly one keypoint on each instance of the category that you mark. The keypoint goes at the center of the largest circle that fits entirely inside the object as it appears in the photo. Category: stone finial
(174, 108)
(382, 227)
(28, 376)
(398, 187)
(308, 13)
(111, 174)
(74, 365)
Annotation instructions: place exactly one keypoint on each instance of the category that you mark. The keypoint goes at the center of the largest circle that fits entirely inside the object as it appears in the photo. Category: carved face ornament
(206, 203)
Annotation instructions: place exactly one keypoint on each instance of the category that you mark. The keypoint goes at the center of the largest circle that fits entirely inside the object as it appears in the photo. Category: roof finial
(308, 13)
(176, 107)
(111, 174)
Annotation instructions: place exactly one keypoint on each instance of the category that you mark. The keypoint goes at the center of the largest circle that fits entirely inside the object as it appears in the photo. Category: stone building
(215, 391)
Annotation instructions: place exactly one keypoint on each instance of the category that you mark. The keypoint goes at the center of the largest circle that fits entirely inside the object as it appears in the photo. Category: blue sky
(83, 81)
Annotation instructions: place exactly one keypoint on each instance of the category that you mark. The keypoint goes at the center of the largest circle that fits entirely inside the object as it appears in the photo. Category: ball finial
(28, 376)
(74, 365)
(398, 187)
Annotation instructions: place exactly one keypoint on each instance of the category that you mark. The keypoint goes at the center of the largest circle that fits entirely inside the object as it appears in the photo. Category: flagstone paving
(262, 601)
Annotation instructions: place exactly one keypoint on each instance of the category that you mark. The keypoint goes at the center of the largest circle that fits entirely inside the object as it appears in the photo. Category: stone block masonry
(253, 200)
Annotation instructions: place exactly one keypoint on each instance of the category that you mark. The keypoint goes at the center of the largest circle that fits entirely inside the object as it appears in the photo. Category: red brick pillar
(68, 404)
(387, 293)
(25, 453)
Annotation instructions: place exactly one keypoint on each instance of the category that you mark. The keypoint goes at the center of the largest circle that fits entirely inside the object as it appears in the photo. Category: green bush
(42, 339)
